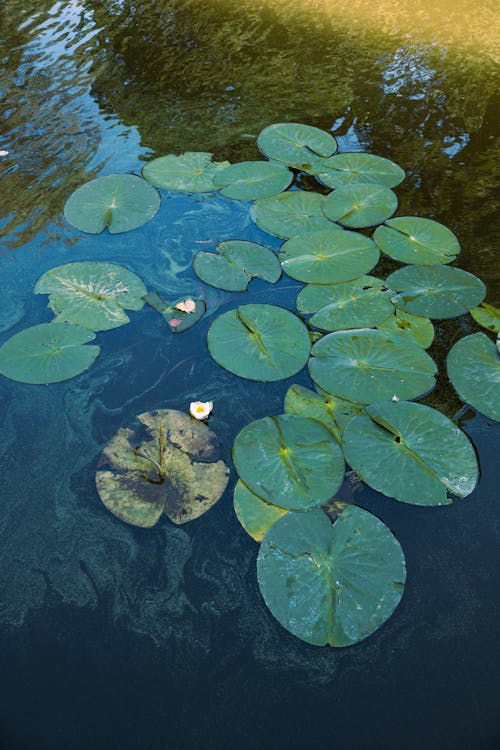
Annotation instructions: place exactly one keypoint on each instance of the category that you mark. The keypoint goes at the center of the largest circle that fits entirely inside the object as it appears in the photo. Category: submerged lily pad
(356, 206)
(290, 461)
(474, 369)
(259, 342)
(255, 514)
(295, 144)
(487, 316)
(357, 168)
(180, 315)
(331, 583)
(92, 294)
(166, 463)
(47, 353)
(411, 452)
(291, 213)
(412, 239)
(436, 291)
(368, 365)
(235, 263)
(332, 412)
(418, 329)
(190, 172)
(120, 202)
(250, 180)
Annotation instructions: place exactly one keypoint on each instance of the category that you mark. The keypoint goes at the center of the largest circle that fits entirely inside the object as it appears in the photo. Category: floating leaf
(357, 168)
(291, 213)
(358, 206)
(295, 144)
(436, 291)
(166, 463)
(190, 172)
(290, 461)
(410, 452)
(328, 256)
(361, 303)
(368, 365)
(474, 369)
(92, 294)
(235, 263)
(120, 202)
(259, 342)
(487, 316)
(250, 180)
(331, 583)
(255, 515)
(412, 239)
(332, 412)
(418, 329)
(47, 353)
(177, 319)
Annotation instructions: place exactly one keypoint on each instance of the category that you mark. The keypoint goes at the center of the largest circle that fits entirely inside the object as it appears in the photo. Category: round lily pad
(410, 452)
(368, 365)
(332, 412)
(290, 461)
(418, 329)
(361, 303)
(436, 291)
(259, 342)
(358, 168)
(487, 316)
(328, 256)
(412, 239)
(235, 263)
(92, 294)
(190, 172)
(358, 206)
(47, 353)
(295, 144)
(288, 214)
(250, 180)
(474, 369)
(120, 202)
(330, 583)
(255, 514)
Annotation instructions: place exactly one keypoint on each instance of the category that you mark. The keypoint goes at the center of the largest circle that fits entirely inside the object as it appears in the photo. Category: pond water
(159, 639)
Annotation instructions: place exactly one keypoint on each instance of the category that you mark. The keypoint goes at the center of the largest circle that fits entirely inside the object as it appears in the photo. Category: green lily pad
(487, 316)
(92, 294)
(120, 202)
(47, 353)
(235, 263)
(361, 303)
(250, 180)
(332, 412)
(259, 342)
(436, 291)
(167, 463)
(288, 214)
(295, 144)
(328, 256)
(331, 583)
(418, 329)
(368, 365)
(474, 369)
(190, 172)
(290, 461)
(178, 314)
(412, 239)
(357, 168)
(410, 452)
(358, 206)
(255, 514)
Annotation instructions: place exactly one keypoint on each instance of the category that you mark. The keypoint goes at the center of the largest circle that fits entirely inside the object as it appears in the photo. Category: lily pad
(474, 369)
(411, 452)
(177, 316)
(368, 365)
(487, 316)
(120, 202)
(250, 180)
(332, 412)
(331, 583)
(290, 461)
(259, 342)
(418, 329)
(436, 291)
(288, 214)
(295, 144)
(412, 239)
(167, 463)
(190, 172)
(255, 514)
(47, 353)
(235, 263)
(328, 256)
(357, 168)
(92, 294)
(361, 303)
(356, 206)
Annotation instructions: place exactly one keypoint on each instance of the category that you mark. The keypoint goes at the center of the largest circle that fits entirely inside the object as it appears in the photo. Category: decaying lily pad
(255, 514)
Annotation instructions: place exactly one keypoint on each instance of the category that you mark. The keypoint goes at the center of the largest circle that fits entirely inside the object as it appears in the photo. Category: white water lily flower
(200, 409)
(4, 152)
